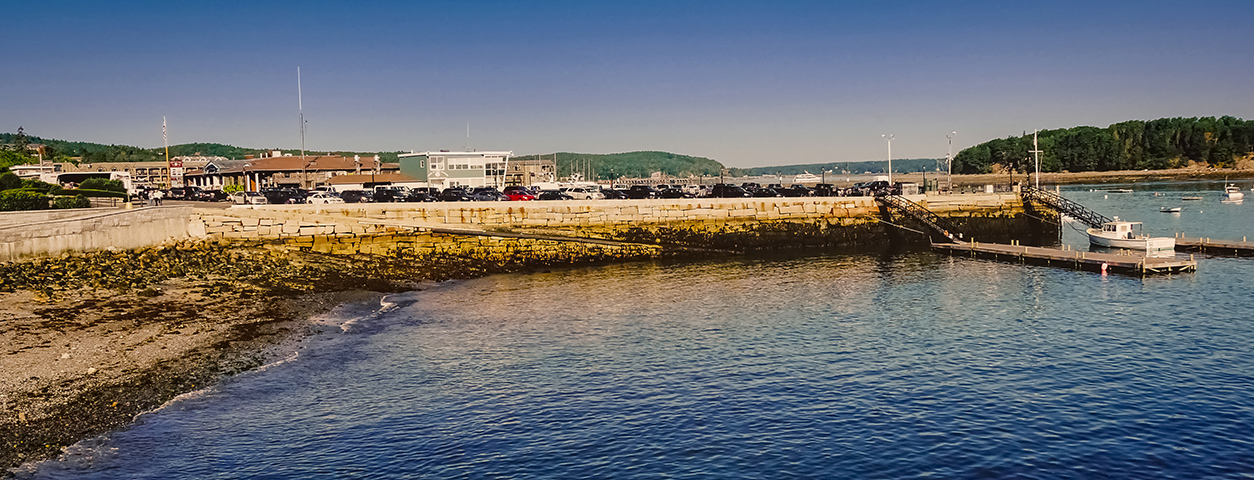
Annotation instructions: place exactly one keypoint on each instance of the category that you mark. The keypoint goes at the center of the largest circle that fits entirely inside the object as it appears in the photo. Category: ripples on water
(843, 366)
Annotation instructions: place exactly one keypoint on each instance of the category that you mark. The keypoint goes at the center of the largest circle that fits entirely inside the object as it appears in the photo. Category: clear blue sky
(745, 83)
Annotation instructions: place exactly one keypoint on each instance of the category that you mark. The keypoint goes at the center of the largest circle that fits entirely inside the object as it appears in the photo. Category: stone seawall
(535, 229)
(44, 233)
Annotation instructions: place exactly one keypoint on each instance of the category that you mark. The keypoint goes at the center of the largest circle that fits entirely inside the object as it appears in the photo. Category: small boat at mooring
(1190, 198)
(1121, 234)
(1232, 192)
(1120, 190)
(1170, 210)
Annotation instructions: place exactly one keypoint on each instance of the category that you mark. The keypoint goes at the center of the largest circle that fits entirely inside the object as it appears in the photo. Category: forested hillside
(1132, 145)
(85, 152)
(630, 164)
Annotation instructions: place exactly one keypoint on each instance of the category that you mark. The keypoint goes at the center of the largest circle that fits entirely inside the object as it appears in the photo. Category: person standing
(157, 194)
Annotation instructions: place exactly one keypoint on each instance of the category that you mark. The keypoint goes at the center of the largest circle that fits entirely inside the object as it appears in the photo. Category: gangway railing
(913, 210)
(1064, 206)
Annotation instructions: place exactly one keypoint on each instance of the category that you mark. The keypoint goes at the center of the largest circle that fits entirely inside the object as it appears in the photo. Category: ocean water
(898, 364)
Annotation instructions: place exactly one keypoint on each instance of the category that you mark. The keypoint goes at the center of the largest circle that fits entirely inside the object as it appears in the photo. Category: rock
(91, 371)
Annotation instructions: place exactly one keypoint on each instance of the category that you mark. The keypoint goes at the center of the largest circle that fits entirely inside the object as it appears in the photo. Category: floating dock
(1214, 247)
(1079, 260)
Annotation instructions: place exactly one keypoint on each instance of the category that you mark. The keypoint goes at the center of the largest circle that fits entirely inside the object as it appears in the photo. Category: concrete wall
(50, 232)
(721, 224)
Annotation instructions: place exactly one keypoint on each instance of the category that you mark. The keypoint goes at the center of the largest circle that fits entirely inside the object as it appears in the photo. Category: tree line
(87, 152)
(1132, 145)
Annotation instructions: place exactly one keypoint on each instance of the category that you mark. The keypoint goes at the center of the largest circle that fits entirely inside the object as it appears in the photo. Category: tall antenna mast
(1036, 150)
(300, 107)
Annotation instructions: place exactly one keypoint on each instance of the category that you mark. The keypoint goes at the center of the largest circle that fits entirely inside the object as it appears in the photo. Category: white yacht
(807, 178)
(1231, 192)
(1121, 234)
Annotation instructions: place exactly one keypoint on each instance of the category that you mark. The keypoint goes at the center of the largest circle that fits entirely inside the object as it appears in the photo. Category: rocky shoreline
(93, 339)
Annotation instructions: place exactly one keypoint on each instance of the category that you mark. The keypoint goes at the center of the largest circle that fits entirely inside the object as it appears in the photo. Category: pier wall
(503, 229)
(45, 233)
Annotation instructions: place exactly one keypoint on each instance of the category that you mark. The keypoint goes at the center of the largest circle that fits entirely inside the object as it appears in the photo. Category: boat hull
(1142, 243)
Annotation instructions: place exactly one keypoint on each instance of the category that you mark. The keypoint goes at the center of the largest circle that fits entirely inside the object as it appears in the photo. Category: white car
(584, 193)
(248, 198)
(323, 198)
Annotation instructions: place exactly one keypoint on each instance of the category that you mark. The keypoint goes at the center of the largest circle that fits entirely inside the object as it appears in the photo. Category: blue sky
(744, 83)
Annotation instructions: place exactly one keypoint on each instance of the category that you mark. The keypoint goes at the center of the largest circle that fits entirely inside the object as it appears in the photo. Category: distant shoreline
(1070, 178)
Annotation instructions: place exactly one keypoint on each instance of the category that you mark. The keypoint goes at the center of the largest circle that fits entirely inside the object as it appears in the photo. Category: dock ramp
(939, 225)
(1064, 206)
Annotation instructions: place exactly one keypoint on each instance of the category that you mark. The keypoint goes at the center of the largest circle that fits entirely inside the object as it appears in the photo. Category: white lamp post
(949, 158)
(1036, 150)
(889, 137)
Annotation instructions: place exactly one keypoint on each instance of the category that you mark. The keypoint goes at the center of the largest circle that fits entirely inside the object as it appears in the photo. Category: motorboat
(1190, 198)
(1231, 192)
(1119, 190)
(1123, 234)
(807, 177)
(1170, 210)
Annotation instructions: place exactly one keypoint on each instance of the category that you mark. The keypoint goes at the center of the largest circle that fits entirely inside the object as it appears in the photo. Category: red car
(518, 193)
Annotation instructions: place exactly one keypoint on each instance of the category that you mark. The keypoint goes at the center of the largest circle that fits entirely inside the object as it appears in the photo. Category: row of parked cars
(288, 195)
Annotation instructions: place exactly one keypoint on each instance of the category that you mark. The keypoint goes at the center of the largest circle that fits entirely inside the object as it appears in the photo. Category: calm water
(841, 366)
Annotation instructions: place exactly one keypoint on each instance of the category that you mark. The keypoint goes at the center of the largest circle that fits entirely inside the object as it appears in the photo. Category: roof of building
(295, 163)
(352, 179)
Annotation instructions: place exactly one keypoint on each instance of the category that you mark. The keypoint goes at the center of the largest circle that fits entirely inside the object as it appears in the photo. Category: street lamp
(1036, 150)
(889, 137)
(949, 159)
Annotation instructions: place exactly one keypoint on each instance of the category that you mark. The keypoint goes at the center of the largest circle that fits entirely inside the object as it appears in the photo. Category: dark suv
(723, 190)
(643, 191)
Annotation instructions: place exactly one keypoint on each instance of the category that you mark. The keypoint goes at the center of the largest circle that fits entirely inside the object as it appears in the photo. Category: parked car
(517, 193)
(248, 198)
(796, 190)
(584, 193)
(643, 191)
(723, 190)
(211, 196)
(613, 194)
(281, 195)
(323, 198)
(488, 194)
(826, 190)
(766, 192)
(182, 193)
(553, 195)
(674, 192)
(390, 194)
(454, 194)
(356, 196)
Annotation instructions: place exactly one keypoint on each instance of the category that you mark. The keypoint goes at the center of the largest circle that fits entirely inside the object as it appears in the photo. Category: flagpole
(166, 139)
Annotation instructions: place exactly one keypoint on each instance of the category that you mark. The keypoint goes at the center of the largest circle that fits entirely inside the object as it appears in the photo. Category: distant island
(1165, 143)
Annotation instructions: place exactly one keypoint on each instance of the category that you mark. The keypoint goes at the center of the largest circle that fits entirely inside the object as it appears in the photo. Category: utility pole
(889, 137)
(1036, 149)
(949, 159)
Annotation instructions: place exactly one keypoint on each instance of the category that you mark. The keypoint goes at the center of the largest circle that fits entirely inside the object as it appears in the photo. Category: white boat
(1232, 192)
(807, 178)
(1120, 190)
(1170, 210)
(1121, 234)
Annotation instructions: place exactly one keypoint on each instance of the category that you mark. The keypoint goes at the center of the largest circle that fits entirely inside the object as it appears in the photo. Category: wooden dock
(1214, 247)
(1079, 260)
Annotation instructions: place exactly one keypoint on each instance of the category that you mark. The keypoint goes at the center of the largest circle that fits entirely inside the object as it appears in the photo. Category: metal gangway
(1064, 206)
(913, 210)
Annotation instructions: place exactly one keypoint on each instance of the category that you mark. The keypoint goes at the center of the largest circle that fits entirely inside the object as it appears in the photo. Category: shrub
(10, 180)
(11, 200)
(77, 201)
(38, 186)
(102, 184)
